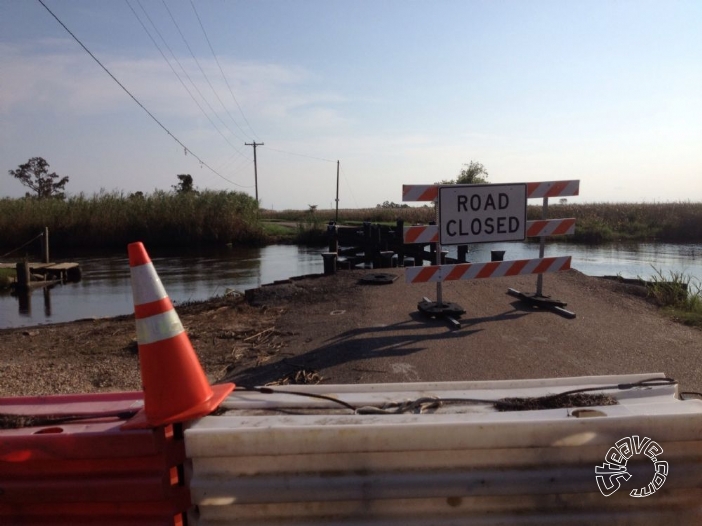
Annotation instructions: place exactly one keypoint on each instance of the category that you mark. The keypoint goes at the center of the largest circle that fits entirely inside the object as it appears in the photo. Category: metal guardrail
(274, 459)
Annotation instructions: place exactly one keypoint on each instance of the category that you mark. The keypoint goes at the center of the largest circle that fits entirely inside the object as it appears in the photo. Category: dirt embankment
(346, 332)
(102, 355)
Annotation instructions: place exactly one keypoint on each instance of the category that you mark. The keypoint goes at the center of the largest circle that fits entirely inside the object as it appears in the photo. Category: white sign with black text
(482, 213)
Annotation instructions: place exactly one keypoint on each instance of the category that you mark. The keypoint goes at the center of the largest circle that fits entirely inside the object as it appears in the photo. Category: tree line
(35, 175)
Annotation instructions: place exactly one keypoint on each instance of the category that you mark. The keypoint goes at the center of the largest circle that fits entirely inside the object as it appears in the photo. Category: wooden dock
(43, 274)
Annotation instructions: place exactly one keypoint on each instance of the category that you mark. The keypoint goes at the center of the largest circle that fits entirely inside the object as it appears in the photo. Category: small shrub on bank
(679, 295)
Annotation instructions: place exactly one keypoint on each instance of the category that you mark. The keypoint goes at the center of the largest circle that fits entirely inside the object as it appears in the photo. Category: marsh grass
(595, 222)
(274, 229)
(602, 222)
(311, 229)
(113, 219)
(358, 215)
(679, 295)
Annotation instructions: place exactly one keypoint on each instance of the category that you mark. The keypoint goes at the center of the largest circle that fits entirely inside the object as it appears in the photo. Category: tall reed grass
(111, 219)
(595, 222)
(376, 215)
(599, 222)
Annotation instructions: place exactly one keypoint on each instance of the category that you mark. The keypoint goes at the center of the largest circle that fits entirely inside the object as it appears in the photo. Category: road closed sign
(482, 213)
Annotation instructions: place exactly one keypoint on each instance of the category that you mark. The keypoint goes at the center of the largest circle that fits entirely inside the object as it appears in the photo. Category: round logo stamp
(610, 474)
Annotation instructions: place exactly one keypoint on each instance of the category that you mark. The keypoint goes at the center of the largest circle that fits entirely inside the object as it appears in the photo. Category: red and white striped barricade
(480, 206)
(492, 269)
(429, 192)
(424, 234)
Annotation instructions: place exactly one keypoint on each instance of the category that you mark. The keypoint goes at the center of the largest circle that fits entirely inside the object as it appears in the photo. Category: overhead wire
(348, 185)
(153, 40)
(238, 166)
(157, 121)
(226, 81)
(207, 79)
(153, 117)
(187, 75)
(204, 74)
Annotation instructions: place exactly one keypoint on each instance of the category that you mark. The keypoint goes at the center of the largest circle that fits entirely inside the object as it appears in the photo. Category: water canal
(200, 274)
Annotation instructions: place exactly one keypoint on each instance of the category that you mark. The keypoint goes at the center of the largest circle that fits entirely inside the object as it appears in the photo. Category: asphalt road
(353, 333)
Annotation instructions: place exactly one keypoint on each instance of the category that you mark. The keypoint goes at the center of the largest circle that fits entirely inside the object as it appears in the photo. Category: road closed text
(482, 213)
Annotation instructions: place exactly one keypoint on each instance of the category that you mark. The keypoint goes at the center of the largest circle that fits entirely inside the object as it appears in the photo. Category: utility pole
(337, 193)
(254, 144)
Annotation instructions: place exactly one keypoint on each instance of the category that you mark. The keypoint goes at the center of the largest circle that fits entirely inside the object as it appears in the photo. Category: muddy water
(105, 289)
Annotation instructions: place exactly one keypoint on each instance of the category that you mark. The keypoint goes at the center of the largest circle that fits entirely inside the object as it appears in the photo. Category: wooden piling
(23, 275)
(329, 262)
(45, 246)
(399, 239)
(333, 235)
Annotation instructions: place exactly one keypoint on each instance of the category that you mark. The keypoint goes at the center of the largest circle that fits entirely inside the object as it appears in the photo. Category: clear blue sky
(399, 91)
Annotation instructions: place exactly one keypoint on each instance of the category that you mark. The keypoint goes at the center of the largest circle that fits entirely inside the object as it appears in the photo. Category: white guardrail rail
(290, 459)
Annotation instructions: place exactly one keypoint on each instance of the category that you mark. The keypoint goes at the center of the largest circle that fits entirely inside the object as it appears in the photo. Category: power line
(185, 72)
(223, 75)
(349, 187)
(202, 71)
(239, 151)
(185, 148)
(241, 162)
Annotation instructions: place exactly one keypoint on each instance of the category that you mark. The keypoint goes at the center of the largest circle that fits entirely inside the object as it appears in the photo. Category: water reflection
(630, 260)
(25, 302)
(105, 289)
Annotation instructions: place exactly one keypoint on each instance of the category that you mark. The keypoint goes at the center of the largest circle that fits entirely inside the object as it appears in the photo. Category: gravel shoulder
(337, 330)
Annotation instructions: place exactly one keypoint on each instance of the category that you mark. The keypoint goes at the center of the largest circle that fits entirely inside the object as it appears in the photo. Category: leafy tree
(185, 184)
(392, 204)
(34, 174)
(473, 173)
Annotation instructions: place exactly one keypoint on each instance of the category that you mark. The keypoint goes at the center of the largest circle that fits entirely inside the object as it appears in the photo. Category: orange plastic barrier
(113, 458)
(82, 468)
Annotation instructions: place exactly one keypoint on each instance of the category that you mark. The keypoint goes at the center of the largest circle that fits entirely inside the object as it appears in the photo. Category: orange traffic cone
(175, 386)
